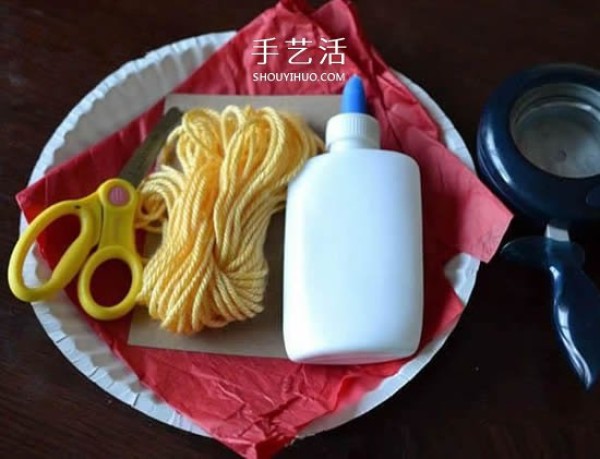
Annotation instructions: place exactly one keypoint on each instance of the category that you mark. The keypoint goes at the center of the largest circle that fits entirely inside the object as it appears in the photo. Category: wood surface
(499, 388)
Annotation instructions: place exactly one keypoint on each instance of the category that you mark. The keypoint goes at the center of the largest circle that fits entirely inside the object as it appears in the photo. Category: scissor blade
(144, 156)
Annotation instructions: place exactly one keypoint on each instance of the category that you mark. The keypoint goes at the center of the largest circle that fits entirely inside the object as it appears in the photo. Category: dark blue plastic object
(576, 299)
(353, 97)
(549, 199)
(524, 187)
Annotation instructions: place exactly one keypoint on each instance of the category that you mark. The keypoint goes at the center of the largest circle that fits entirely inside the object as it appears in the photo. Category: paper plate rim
(171, 64)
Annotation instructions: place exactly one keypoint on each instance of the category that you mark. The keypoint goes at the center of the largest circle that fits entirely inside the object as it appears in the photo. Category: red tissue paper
(256, 406)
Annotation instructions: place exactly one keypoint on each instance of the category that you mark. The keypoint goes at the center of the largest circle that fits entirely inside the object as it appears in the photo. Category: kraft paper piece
(315, 110)
(261, 336)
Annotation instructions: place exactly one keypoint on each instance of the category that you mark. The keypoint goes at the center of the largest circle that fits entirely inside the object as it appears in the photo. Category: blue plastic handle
(576, 299)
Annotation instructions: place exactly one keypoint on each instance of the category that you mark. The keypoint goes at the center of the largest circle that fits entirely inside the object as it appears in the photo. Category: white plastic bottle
(353, 275)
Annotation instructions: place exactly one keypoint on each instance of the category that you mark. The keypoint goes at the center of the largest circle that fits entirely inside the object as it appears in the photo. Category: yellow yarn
(213, 209)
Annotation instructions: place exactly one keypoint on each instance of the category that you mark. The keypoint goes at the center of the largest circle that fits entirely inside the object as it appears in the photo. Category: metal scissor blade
(144, 156)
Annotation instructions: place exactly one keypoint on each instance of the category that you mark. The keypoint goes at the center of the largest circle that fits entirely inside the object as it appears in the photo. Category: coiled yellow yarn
(220, 178)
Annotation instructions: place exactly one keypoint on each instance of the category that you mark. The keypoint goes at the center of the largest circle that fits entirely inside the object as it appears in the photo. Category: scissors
(106, 219)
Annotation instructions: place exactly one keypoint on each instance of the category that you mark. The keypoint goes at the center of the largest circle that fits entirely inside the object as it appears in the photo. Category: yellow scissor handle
(89, 212)
(118, 199)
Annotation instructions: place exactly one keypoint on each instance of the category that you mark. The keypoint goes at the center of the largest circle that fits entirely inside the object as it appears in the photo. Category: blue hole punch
(538, 147)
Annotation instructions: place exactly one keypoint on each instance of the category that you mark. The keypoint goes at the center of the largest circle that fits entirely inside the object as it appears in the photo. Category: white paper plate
(122, 96)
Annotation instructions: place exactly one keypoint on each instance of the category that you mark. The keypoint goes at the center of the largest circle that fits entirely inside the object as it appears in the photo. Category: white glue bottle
(353, 260)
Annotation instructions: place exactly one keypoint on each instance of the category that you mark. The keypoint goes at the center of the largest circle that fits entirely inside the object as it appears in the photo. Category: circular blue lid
(538, 144)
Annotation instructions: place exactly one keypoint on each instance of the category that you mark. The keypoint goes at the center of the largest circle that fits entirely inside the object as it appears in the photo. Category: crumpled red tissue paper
(256, 406)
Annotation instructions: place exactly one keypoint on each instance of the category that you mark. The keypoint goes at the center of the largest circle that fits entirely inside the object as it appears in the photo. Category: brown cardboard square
(262, 335)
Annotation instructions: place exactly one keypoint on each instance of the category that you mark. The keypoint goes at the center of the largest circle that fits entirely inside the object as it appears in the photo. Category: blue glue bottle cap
(353, 128)
(353, 97)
